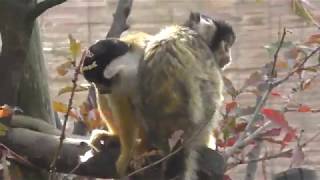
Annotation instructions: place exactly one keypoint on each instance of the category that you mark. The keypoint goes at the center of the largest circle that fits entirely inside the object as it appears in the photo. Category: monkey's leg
(128, 136)
(123, 111)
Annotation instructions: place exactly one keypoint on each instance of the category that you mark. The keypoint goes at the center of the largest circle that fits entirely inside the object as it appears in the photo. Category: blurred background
(256, 22)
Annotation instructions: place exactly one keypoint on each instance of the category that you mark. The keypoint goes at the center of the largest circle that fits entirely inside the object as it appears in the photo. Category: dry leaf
(64, 68)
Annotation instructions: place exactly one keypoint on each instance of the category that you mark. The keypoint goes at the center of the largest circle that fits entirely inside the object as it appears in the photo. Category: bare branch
(275, 57)
(42, 7)
(287, 153)
(251, 169)
(62, 136)
(34, 124)
(119, 23)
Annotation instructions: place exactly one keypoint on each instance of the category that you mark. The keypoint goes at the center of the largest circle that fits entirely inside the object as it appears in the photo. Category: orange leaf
(5, 111)
(304, 108)
(64, 68)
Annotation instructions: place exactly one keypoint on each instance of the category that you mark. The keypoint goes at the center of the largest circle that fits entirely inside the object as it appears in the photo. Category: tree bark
(22, 70)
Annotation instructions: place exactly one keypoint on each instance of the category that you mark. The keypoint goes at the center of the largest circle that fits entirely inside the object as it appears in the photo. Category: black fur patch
(224, 33)
(101, 54)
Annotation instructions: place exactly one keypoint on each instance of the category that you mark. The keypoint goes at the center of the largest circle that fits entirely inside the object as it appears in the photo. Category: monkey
(111, 65)
(180, 84)
(162, 83)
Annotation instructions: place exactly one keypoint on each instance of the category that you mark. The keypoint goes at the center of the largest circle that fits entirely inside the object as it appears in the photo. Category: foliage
(296, 70)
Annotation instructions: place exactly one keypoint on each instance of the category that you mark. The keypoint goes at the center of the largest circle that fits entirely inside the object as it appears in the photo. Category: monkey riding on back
(168, 82)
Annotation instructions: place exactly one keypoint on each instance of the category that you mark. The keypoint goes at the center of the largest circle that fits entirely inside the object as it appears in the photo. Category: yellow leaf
(3, 129)
(68, 89)
(59, 107)
(74, 46)
(63, 108)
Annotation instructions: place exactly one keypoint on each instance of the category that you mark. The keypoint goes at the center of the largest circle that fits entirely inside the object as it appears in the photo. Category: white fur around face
(126, 67)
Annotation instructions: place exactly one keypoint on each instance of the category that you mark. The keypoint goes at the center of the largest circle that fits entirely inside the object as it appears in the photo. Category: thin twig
(275, 57)
(259, 106)
(66, 116)
(286, 153)
(41, 7)
(296, 68)
(317, 134)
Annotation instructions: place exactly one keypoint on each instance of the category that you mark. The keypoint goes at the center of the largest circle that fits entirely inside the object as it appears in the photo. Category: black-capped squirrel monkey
(180, 84)
(172, 82)
(112, 65)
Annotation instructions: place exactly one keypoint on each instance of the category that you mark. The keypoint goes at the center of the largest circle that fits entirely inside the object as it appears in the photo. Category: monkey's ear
(194, 17)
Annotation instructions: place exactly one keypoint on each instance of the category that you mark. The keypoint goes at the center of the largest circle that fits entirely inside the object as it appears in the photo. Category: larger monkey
(174, 85)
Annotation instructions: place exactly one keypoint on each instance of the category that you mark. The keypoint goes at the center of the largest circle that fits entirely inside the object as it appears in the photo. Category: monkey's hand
(101, 139)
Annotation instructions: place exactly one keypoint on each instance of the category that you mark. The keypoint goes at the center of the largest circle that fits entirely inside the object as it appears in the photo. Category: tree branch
(33, 124)
(35, 149)
(38, 148)
(247, 140)
(119, 23)
(42, 7)
(260, 103)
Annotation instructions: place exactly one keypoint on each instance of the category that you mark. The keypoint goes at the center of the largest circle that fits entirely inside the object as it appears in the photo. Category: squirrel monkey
(111, 65)
(162, 84)
(180, 84)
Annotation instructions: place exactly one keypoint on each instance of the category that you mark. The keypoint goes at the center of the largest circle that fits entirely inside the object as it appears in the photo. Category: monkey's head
(100, 55)
(217, 34)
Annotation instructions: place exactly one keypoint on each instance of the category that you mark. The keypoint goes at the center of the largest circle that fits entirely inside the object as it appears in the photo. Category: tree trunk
(33, 93)
(22, 70)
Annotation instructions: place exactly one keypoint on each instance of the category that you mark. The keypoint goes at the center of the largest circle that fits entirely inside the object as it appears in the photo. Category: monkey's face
(99, 57)
(217, 34)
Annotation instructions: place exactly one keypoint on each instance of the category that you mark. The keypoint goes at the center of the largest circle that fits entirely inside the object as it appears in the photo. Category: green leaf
(3, 129)
(272, 48)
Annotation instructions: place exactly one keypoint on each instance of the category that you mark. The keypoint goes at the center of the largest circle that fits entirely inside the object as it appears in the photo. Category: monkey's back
(180, 86)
